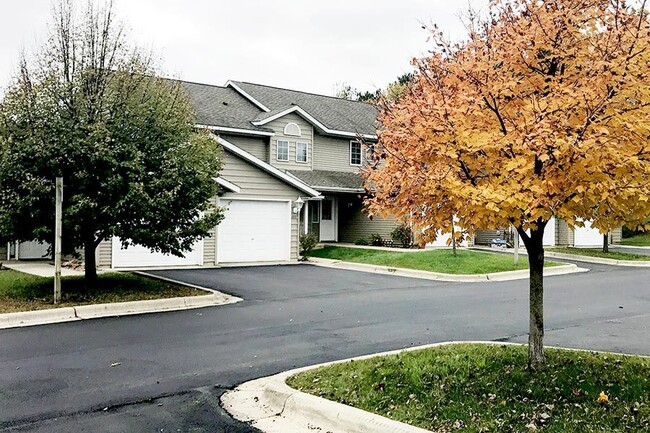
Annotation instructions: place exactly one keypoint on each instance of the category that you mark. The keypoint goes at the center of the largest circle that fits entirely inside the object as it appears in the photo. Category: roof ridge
(304, 92)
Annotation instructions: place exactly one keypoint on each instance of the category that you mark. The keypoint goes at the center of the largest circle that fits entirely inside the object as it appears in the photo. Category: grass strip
(593, 252)
(24, 292)
(487, 388)
(441, 260)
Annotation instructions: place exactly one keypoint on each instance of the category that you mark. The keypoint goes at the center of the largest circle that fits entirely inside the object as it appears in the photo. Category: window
(301, 152)
(292, 129)
(283, 150)
(355, 153)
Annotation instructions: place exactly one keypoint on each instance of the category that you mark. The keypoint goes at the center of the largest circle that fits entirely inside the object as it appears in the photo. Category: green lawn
(640, 240)
(593, 252)
(481, 388)
(25, 292)
(443, 260)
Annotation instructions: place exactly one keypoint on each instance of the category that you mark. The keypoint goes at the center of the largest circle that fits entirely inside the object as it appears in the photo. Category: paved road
(174, 366)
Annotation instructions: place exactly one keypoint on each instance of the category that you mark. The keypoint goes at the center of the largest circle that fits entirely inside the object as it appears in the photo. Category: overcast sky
(303, 45)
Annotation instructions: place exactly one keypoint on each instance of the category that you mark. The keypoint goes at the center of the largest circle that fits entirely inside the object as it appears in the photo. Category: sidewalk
(39, 268)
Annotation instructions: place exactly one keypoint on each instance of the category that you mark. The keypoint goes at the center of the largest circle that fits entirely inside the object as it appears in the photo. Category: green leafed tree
(91, 109)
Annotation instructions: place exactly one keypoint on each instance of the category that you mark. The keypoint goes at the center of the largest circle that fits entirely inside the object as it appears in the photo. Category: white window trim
(360, 153)
(306, 161)
(299, 134)
(277, 150)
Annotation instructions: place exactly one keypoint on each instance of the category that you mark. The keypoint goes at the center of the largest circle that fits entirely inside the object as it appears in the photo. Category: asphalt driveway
(172, 367)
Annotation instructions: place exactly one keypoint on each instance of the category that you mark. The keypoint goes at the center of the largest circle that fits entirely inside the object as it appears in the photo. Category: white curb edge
(438, 276)
(272, 406)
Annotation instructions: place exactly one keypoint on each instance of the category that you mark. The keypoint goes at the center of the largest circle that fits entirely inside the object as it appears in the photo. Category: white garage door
(137, 256)
(254, 231)
(587, 236)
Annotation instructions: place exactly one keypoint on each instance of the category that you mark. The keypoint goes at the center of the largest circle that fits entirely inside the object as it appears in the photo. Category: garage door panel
(137, 256)
(254, 231)
(587, 236)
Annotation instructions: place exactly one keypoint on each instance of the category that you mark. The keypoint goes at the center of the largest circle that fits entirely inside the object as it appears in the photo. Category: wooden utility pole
(58, 226)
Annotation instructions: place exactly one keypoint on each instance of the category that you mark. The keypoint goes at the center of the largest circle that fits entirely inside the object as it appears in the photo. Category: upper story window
(292, 129)
(301, 152)
(355, 153)
(283, 150)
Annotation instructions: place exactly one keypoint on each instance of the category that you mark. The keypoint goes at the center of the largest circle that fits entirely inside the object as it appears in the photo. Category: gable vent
(292, 129)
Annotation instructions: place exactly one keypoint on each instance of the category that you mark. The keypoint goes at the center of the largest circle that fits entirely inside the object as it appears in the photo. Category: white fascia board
(247, 96)
(339, 189)
(235, 130)
(227, 184)
(315, 122)
(267, 167)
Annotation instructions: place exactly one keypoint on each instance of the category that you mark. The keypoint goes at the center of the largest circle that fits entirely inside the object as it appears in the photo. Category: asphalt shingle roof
(329, 179)
(222, 106)
(334, 113)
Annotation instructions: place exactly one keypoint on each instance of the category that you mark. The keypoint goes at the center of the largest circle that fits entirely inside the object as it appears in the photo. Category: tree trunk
(606, 243)
(90, 263)
(453, 236)
(534, 246)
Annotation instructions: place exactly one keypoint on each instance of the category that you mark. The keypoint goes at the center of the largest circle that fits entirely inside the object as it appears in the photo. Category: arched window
(292, 129)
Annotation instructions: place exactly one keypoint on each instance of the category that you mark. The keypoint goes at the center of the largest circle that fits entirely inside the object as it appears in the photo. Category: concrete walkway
(39, 268)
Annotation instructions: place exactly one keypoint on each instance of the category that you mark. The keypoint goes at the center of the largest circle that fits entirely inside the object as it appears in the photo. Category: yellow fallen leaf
(602, 398)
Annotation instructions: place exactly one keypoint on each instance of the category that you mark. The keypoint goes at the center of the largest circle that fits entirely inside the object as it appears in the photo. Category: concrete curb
(272, 406)
(578, 258)
(83, 312)
(598, 260)
(437, 276)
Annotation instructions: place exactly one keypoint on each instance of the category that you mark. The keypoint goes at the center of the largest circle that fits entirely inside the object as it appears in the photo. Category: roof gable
(329, 113)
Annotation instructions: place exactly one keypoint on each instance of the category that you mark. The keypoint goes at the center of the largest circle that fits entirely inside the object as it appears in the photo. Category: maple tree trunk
(90, 264)
(536, 357)
(453, 237)
(606, 243)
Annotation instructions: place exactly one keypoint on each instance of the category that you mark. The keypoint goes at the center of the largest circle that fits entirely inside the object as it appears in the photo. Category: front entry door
(328, 219)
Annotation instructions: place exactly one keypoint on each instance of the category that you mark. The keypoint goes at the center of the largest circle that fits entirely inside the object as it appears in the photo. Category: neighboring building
(279, 146)
(558, 233)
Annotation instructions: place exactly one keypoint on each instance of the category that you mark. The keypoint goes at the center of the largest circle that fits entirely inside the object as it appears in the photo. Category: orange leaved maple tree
(543, 111)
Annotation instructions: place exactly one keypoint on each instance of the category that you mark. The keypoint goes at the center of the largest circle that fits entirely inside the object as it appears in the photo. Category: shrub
(307, 244)
(403, 235)
(361, 241)
(376, 240)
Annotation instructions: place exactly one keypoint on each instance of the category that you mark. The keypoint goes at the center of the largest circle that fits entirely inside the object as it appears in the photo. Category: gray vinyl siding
(616, 236)
(360, 226)
(256, 146)
(210, 243)
(105, 254)
(255, 183)
(333, 154)
(563, 234)
(307, 136)
(484, 237)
